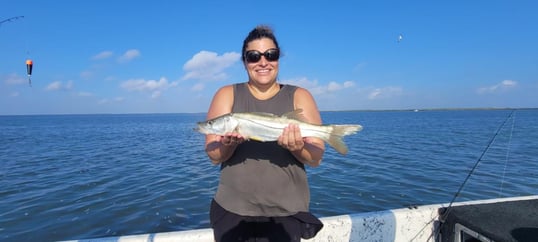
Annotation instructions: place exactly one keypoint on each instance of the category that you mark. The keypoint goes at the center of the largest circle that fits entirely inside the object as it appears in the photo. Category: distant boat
(462, 221)
(416, 110)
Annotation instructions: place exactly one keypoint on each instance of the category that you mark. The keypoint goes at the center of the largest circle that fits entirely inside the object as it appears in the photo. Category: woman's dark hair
(261, 31)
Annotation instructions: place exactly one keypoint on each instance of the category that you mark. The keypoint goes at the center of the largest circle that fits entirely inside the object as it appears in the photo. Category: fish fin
(345, 129)
(338, 144)
(338, 132)
(296, 114)
(256, 138)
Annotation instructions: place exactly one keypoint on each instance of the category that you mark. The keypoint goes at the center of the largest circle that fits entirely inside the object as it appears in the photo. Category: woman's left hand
(291, 138)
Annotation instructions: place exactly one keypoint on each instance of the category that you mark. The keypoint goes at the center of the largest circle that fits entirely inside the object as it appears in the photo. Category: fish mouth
(201, 128)
(198, 127)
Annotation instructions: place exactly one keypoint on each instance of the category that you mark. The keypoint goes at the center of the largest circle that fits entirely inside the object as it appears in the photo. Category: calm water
(84, 176)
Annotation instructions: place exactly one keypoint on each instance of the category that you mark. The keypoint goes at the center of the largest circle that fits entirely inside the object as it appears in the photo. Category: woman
(263, 193)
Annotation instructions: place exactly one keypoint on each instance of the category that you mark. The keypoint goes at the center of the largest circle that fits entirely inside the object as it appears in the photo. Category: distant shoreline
(349, 110)
(425, 109)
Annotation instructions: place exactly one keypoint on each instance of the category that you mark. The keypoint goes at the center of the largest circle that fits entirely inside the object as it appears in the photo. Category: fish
(265, 127)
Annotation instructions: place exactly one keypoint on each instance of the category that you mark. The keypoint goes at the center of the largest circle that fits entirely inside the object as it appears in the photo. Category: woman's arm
(308, 150)
(220, 148)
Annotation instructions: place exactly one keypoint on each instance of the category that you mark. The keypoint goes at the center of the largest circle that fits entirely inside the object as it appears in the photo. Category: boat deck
(500, 221)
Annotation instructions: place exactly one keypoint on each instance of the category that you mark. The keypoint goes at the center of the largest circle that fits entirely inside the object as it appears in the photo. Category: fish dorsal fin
(296, 114)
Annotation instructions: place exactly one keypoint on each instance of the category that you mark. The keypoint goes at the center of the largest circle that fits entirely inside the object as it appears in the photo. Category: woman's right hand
(230, 138)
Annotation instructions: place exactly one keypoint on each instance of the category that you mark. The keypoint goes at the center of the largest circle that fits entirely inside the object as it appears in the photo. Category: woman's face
(263, 71)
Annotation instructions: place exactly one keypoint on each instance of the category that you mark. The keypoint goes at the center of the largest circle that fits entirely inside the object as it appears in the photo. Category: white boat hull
(406, 224)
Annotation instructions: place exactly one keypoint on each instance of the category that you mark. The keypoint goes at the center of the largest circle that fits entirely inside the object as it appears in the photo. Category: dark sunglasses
(253, 56)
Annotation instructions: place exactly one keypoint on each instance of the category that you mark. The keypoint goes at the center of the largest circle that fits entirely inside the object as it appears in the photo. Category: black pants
(228, 226)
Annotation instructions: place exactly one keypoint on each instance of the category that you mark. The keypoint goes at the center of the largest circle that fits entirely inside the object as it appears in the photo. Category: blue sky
(171, 56)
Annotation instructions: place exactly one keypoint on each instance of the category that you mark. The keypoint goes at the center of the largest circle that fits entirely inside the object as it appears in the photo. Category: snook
(268, 127)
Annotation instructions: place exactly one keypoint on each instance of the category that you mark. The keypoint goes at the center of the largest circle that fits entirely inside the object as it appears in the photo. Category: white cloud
(384, 93)
(317, 89)
(102, 55)
(86, 74)
(303, 82)
(14, 79)
(499, 87)
(335, 86)
(198, 87)
(348, 84)
(209, 66)
(359, 67)
(156, 94)
(114, 100)
(348, 94)
(340, 90)
(152, 86)
(54, 86)
(129, 55)
(14, 94)
(59, 86)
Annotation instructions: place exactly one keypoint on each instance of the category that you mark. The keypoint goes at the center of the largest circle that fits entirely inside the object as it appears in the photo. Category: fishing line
(29, 62)
(476, 164)
(507, 155)
(443, 214)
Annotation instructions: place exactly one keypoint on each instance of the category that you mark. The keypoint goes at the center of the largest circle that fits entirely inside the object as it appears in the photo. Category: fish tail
(338, 132)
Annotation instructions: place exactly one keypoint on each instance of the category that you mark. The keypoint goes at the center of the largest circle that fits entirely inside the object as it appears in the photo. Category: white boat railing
(405, 224)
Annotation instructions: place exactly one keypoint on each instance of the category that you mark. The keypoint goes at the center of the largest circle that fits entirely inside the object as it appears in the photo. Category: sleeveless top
(262, 178)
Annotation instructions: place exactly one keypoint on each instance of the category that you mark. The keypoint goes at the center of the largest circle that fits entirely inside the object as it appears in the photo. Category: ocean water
(85, 176)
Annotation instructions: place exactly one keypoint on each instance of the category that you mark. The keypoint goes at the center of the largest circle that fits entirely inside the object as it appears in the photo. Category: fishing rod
(29, 62)
(447, 210)
(444, 212)
(10, 19)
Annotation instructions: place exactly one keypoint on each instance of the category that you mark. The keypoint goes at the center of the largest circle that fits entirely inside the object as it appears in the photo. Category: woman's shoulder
(226, 93)
(230, 87)
(226, 88)
(303, 99)
(222, 101)
(296, 88)
(302, 92)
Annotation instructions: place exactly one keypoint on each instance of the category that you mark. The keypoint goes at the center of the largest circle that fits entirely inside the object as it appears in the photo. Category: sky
(117, 57)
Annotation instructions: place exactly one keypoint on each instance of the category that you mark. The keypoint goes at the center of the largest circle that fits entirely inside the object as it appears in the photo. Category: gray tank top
(262, 178)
